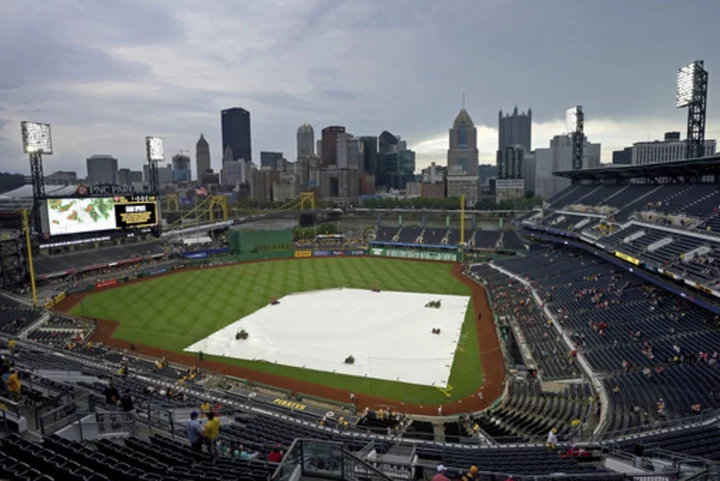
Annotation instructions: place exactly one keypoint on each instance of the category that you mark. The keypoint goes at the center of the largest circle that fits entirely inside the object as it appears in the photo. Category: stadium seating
(45, 265)
(587, 292)
(15, 316)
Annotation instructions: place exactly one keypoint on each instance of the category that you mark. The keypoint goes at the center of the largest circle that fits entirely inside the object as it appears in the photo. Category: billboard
(77, 216)
(410, 254)
(36, 138)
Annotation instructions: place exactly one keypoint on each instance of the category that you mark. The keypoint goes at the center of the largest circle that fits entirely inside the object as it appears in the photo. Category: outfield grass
(174, 311)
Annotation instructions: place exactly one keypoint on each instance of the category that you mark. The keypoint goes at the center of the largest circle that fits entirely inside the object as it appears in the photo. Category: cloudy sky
(107, 73)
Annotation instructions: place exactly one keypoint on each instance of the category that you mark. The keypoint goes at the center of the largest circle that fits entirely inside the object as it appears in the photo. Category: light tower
(575, 125)
(692, 87)
(37, 140)
(155, 150)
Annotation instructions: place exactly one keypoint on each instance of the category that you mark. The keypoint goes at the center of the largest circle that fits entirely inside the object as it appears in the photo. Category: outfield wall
(414, 254)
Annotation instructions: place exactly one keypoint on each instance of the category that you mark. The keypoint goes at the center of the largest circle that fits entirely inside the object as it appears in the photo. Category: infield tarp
(388, 333)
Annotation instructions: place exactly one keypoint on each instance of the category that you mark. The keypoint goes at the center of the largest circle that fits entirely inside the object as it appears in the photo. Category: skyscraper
(236, 132)
(370, 154)
(463, 152)
(305, 140)
(515, 130)
(271, 160)
(102, 169)
(329, 144)
(202, 157)
(181, 168)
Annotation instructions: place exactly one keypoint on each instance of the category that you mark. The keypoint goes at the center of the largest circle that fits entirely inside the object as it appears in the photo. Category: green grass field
(174, 311)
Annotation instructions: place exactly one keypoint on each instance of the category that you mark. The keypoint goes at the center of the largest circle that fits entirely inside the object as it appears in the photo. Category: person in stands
(127, 402)
(440, 475)
(211, 432)
(112, 396)
(552, 439)
(471, 475)
(275, 455)
(14, 385)
(195, 432)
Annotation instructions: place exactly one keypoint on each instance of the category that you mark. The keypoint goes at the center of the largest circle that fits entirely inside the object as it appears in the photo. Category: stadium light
(686, 82)
(571, 119)
(36, 138)
(155, 147)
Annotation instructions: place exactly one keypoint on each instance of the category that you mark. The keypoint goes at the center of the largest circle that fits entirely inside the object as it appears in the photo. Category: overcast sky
(107, 73)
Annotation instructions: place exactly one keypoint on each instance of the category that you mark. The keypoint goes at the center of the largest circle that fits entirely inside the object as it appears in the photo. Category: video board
(68, 216)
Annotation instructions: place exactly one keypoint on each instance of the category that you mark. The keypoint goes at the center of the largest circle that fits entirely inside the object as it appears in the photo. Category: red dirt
(493, 364)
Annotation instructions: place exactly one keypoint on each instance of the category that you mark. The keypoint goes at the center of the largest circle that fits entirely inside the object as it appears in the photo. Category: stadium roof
(677, 168)
(26, 192)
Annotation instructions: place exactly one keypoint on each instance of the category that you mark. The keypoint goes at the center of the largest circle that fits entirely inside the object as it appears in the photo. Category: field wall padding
(252, 241)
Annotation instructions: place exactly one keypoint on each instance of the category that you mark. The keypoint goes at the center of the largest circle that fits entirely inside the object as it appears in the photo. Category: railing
(324, 459)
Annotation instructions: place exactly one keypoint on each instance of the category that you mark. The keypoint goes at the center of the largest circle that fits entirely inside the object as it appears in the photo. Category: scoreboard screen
(131, 214)
(68, 216)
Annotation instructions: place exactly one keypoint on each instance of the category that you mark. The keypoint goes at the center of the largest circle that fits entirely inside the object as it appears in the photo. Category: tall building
(622, 157)
(129, 177)
(515, 129)
(510, 183)
(463, 151)
(557, 158)
(271, 160)
(341, 145)
(340, 185)
(164, 174)
(236, 132)
(102, 169)
(305, 141)
(370, 154)
(328, 156)
(181, 168)
(202, 157)
(318, 148)
(667, 150)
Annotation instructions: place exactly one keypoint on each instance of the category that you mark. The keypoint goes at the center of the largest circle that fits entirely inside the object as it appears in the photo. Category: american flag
(201, 191)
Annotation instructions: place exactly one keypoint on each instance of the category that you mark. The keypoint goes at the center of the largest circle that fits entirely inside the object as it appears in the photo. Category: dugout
(249, 241)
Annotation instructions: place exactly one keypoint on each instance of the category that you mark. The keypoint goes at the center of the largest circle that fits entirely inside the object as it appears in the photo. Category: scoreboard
(68, 216)
(133, 212)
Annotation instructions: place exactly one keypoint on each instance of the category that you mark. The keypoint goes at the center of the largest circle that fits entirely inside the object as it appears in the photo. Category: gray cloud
(106, 74)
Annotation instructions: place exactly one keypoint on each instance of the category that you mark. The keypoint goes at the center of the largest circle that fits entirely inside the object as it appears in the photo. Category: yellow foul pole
(26, 224)
(462, 226)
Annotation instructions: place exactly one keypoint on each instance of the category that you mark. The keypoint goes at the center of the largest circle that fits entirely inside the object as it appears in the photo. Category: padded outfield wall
(251, 241)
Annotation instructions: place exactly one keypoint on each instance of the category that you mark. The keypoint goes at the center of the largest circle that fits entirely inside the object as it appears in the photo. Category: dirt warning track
(491, 359)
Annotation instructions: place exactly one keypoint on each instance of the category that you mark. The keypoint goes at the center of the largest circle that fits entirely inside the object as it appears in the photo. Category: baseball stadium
(575, 341)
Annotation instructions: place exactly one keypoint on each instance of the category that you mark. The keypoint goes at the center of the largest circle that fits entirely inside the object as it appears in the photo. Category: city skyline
(173, 79)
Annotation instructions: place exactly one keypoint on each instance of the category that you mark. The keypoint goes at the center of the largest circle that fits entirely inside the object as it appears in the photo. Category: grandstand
(609, 327)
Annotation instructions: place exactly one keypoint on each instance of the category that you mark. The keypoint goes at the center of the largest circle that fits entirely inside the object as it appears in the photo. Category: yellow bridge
(215, 208)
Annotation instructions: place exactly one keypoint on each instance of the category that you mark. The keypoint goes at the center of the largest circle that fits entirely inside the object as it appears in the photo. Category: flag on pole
(201, 191)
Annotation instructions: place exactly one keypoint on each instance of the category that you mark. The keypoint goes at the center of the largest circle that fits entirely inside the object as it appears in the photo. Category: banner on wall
(55, 300)
(106, 283)
(303, 253)
(408, 254)
(627, 258)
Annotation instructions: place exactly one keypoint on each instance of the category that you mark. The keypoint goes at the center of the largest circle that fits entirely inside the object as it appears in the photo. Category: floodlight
(686, 81)
(155, 148)
(571, 119)
(36, 138)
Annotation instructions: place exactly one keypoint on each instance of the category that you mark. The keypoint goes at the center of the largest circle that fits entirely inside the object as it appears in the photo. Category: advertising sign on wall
(303, 253)
(320, 253)
(106, 283)
(409, 254)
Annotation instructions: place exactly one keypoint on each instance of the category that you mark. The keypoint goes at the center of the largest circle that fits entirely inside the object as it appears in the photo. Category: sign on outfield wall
(303, 254)
(408, 254)
(106, 283)
(337, 253)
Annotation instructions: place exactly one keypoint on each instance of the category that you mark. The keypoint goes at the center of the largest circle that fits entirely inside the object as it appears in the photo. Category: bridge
(214, 213)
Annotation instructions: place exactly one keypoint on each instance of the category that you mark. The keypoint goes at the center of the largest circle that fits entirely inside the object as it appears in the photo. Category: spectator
(112, 396)
(471, 475)
(126, 401)
(14, 385)
(552, 439)
(639, 452)
(211, 432)
(195, 432)
(441, 476)
(11, 346)
(275, 455)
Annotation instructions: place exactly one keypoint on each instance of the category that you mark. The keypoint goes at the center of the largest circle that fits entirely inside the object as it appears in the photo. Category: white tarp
(389, 334)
